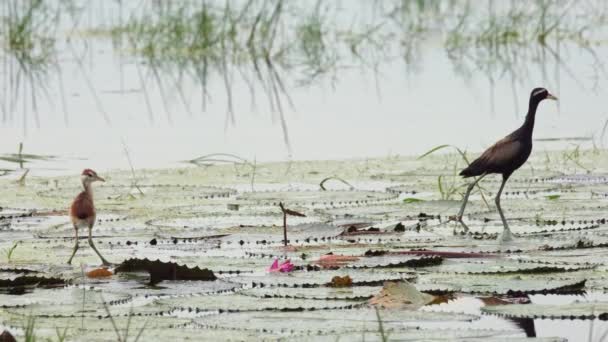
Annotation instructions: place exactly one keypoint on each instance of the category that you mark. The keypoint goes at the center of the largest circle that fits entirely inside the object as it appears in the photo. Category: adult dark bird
(504, 157)
(82, 211)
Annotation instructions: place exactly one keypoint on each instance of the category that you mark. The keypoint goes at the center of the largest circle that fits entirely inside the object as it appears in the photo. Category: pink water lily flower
(284, 267)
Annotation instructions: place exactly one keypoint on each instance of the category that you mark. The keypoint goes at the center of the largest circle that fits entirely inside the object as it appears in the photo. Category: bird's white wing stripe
(538, 92)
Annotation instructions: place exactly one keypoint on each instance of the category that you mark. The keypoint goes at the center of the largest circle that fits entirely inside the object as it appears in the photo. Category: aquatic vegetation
(448, 191)
(196, 242)
(28, 47)
(9, 251)
(179, 231)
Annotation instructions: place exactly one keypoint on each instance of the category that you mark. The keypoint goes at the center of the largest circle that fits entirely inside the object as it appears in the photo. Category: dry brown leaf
(99, 273)
(338, 281)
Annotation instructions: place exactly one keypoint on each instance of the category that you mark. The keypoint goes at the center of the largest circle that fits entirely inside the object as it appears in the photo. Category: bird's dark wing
(496, 159)
(503, 153)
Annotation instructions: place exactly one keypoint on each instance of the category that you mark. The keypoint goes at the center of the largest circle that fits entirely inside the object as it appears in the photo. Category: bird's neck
(528, 125)
(88, 189)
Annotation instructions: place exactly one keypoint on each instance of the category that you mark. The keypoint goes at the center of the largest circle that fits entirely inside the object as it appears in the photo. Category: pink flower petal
(286, 266)
(275, 266)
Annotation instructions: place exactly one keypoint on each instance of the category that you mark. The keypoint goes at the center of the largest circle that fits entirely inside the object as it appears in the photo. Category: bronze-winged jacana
(82, 211)
(504, 157)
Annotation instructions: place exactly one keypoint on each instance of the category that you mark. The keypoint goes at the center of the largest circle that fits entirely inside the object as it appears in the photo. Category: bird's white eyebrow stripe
(538, 92)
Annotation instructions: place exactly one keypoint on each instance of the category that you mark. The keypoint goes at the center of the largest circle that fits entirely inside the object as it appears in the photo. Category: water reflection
(29, 57)
(235, 57)
(571, 329)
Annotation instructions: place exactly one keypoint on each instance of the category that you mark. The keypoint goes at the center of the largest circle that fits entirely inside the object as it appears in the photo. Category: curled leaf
(99, 273)
(160, 270)
(401, 295)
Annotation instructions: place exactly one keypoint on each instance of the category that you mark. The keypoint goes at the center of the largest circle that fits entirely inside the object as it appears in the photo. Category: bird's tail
(472, 170)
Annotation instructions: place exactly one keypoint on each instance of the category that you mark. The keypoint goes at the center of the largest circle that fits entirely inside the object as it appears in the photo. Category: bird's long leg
(75, 246)
(104, 261)
(466, 199)
(506, 233)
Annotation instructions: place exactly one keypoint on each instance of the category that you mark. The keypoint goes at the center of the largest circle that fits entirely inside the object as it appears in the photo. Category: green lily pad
(582, 310)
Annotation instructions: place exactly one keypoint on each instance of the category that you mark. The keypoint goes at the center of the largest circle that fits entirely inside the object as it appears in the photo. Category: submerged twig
(351, 187)
(287, 212)
(21, 180)
(133, 176)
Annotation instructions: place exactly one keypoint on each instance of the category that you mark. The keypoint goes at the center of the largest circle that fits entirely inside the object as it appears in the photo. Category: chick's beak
(551, 97)
(99, 178)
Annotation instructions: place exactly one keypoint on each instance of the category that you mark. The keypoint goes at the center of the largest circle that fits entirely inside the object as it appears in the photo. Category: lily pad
(333, 321)
(159, 270)
(513, 285)
(312, 198)
(505, 266)
(401, 295)
(30, 281)
(582, 310)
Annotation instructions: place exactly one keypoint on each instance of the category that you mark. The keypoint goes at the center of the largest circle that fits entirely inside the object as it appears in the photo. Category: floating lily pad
(560, 247)
(63, 301)
(579, 179)
(396, 261)
(320, 278)
(498, 284)
(505, 266)
(332, 321)
(30, 281)
(160, 192)
(205, 221)
(137, 294)
(583, 310)
(357, 293)
(231, 303)
(430, 334)
(99, 328)
(401, 295)
(307, 198)
(159, 270)
(391, 211)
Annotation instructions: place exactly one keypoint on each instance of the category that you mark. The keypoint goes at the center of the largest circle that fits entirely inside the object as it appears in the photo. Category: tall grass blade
(433, 150)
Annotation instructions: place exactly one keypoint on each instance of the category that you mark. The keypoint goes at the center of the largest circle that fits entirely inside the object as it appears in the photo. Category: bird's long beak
(100, 179)
(552, 97)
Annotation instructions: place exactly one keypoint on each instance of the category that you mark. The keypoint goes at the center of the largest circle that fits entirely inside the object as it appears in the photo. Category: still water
(431, 73)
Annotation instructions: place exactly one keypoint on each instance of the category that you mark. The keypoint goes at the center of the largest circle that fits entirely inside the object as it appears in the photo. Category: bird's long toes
(461, 232)
(455, 218)
(505, 237)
